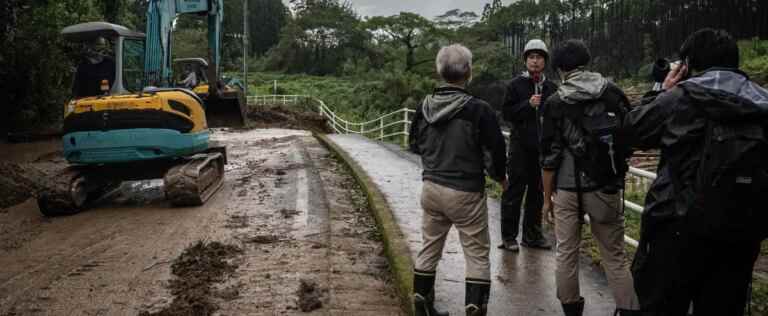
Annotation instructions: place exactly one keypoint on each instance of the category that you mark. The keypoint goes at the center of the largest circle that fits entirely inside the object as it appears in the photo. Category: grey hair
(454, 63)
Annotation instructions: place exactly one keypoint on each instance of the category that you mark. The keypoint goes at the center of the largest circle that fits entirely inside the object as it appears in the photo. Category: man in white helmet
(525, 93)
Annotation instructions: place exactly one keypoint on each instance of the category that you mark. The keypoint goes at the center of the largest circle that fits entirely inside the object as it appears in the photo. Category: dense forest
(388, 58)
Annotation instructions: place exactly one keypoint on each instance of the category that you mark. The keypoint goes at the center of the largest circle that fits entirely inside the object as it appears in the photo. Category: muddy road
(289, 233)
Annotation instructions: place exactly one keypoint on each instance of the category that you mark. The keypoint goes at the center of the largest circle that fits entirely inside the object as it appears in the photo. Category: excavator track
(194, 181)
(65, 194)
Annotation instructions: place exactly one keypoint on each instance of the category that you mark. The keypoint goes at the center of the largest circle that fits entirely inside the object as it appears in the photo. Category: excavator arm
(161, 17)
(224, 105)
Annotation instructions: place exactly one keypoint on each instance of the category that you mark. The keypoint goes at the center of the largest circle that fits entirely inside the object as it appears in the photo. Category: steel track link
(64, 195)
(195, 181)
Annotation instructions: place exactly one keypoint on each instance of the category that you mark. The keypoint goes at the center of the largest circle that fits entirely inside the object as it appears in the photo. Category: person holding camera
(584, 161)
(524, 95)
(704, 217)
(459, 141)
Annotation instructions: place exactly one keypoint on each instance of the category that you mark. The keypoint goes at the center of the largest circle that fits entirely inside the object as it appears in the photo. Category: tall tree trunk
(112, 10)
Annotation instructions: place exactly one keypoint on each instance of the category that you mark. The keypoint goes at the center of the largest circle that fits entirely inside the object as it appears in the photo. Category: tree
(265, 20)
(323, 35)
(112, 9)
(408, 30)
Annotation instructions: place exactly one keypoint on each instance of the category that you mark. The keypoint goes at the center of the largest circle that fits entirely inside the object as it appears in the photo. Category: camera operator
(703, 221)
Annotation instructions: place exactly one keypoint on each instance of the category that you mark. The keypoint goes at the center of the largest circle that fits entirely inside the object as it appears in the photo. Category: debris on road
(309, 296)
(195, 272)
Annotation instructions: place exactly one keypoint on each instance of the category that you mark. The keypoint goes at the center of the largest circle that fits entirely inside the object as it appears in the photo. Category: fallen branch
(156, 264)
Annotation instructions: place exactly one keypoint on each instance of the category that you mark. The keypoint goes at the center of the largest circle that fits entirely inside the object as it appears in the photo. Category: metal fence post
(346, 127)
(381, 128)
(405, 128)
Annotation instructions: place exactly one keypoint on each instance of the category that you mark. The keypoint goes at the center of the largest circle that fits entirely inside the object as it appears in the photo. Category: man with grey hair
(459, 140)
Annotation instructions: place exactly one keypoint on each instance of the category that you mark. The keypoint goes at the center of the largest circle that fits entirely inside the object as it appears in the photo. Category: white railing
(275, 99)
(376, 129)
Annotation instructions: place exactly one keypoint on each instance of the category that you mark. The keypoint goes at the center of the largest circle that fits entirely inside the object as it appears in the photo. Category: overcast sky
(426, 8)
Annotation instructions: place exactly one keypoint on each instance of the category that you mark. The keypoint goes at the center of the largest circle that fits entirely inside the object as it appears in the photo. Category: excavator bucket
(227, 109)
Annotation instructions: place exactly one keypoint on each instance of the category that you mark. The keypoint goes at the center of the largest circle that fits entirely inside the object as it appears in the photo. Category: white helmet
(536, 45)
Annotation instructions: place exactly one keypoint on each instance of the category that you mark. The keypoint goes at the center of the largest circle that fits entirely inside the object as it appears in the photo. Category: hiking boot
(424, 294)
(476, 297)
(510, 245)
(538, 244)
(574, 309)
(425, 306)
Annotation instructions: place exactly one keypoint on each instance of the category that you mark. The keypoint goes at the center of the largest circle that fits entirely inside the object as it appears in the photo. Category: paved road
(523, 283)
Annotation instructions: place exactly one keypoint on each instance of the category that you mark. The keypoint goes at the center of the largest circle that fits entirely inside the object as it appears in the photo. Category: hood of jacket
(726, 95)
(581, 86)
(444, 103)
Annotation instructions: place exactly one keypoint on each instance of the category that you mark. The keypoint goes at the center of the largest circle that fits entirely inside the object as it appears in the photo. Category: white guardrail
(275, 99)
(377, 129)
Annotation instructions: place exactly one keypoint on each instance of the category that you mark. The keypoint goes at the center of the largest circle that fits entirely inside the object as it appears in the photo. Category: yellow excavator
(129, 122)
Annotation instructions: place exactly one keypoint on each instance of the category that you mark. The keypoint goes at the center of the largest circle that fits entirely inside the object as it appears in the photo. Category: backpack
(732, 176)
(607, 150)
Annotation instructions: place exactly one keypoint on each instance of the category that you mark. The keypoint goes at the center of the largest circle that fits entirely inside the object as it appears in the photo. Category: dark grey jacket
(675, 122)
(518, 112)
(459, 140)
(561, 138)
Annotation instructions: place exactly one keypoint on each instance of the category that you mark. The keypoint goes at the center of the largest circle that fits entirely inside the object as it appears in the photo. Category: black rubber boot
(574, 309)
(424, 294)
(626, 312)
(476, 297)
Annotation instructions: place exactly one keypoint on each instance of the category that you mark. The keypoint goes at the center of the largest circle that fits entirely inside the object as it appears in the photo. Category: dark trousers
(672, 270)
(524, 181)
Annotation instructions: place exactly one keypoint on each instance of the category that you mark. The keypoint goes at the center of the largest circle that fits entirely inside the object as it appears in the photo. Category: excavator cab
(192, 73)
(226, 106)
(112, 53)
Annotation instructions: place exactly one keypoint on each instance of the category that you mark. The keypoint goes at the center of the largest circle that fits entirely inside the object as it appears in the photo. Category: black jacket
(458, 138)
(675, 120)
(88, 77)
(518, 112)
(561, 138)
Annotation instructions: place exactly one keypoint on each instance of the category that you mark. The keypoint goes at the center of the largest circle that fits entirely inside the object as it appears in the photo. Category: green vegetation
(355, 98)
(759, 297)
(754, 59)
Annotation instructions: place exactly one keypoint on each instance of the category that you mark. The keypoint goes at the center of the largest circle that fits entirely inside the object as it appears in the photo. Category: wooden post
(381, 128)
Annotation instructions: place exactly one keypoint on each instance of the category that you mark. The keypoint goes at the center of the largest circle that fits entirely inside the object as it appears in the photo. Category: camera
(660, 71)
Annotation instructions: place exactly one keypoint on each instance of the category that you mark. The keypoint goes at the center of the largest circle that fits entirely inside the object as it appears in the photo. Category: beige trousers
(607, 225)
(468, 211)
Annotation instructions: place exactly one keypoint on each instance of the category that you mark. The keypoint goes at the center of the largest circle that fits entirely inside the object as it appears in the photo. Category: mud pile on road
(196, 271)
(287, 117)
(18, 182)
(309, 296)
